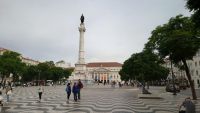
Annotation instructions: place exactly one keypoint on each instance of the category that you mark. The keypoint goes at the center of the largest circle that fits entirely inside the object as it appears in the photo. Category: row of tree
(11, 64)
(178, 40)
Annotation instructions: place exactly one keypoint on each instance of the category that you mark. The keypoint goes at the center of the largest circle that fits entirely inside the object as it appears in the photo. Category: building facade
(104, 71)
(62, 64)
(25, 60)
(194, 66)
(100, 72)
(29, 61)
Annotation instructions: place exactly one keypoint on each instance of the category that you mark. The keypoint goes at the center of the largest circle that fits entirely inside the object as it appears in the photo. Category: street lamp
(173, 77)
(38, 77)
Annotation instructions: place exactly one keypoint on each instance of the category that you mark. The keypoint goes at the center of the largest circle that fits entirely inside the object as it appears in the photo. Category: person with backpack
(68, 90)
(80, 86)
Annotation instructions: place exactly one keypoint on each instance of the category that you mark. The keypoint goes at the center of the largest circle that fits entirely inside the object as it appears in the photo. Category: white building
(194, 66)
(104, 71)
(29, 61)
(100, 71)
(179, 74)
(2, 50)
(25, 60)
(62, 64)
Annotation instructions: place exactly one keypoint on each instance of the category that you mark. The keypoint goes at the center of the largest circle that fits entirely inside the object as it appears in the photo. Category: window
(192, 72)
(195, 64)
(197, 72)
(199, 63)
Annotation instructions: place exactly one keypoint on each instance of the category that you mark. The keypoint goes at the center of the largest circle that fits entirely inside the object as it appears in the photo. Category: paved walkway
(94, 99)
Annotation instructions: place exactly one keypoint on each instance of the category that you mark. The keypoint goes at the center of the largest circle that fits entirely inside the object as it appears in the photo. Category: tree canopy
(143, 66)
(177, 39)
(194, 5)
(10, 63)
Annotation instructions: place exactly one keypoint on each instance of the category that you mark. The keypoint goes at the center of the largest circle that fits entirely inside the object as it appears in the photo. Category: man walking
(80, 86)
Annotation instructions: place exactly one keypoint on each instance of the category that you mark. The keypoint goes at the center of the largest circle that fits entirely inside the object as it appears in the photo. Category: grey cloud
(48, 29)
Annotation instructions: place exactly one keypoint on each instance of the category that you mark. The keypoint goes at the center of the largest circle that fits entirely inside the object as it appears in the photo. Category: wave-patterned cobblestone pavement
(94, 99)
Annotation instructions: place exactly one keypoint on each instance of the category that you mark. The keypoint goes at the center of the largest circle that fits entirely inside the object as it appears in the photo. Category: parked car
(170, 88)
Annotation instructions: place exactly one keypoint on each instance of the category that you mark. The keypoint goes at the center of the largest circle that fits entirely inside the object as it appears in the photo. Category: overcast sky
(47, 30)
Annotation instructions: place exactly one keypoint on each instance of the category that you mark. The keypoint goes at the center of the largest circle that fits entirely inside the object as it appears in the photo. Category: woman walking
(40, 91)
(8, 93)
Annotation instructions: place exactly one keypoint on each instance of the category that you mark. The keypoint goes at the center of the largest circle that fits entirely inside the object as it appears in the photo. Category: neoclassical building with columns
(104, 71)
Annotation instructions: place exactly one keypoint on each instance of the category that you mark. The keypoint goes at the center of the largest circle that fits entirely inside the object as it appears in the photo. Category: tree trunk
(2, 79)
(190, 80)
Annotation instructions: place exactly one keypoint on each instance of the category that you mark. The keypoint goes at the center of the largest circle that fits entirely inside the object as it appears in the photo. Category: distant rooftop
(1, 49)
(104, 64)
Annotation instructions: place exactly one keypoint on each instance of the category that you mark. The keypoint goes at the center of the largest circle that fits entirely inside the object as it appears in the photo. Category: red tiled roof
(1, 49)
(104, 64)
(30, 59)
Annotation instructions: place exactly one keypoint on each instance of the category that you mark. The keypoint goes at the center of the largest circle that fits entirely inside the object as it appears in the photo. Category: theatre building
(104, 71)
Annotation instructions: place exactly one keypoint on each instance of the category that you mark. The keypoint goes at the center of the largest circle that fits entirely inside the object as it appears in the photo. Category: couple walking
(75, 89)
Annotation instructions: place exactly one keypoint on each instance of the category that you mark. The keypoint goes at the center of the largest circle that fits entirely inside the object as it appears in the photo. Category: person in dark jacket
(189, 106)
(68, 91)
(80, 86)
(75, 91)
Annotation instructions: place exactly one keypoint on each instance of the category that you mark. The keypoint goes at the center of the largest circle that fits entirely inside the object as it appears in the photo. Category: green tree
(10, 62)
(194, 5)
(178, 40)
(143, 66)
(44, 71)
(30, 74)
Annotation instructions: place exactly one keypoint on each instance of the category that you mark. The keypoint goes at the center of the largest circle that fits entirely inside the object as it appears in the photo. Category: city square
(111, 56)
(94, 99)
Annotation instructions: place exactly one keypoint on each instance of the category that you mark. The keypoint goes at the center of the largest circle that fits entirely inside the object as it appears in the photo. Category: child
(75, 91)
(68, 90)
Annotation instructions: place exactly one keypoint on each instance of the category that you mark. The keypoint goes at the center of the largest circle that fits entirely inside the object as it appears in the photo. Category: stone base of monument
(149, 96)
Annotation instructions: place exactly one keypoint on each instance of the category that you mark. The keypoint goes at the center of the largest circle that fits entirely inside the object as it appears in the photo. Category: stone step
(149, 96)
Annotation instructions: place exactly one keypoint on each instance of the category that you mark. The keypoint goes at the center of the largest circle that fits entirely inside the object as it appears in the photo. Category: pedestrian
(8, 93)
(188, 105)
(1, 99)
(80, 86)
(40, 91)
(68, 90)
(75, 91)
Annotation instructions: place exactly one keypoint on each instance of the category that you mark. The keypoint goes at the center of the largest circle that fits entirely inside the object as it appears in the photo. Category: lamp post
(173, 77)
(38, 77)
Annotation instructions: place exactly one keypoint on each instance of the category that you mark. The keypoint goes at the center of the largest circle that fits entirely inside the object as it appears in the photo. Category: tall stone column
(80, 66)
(81, 59)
